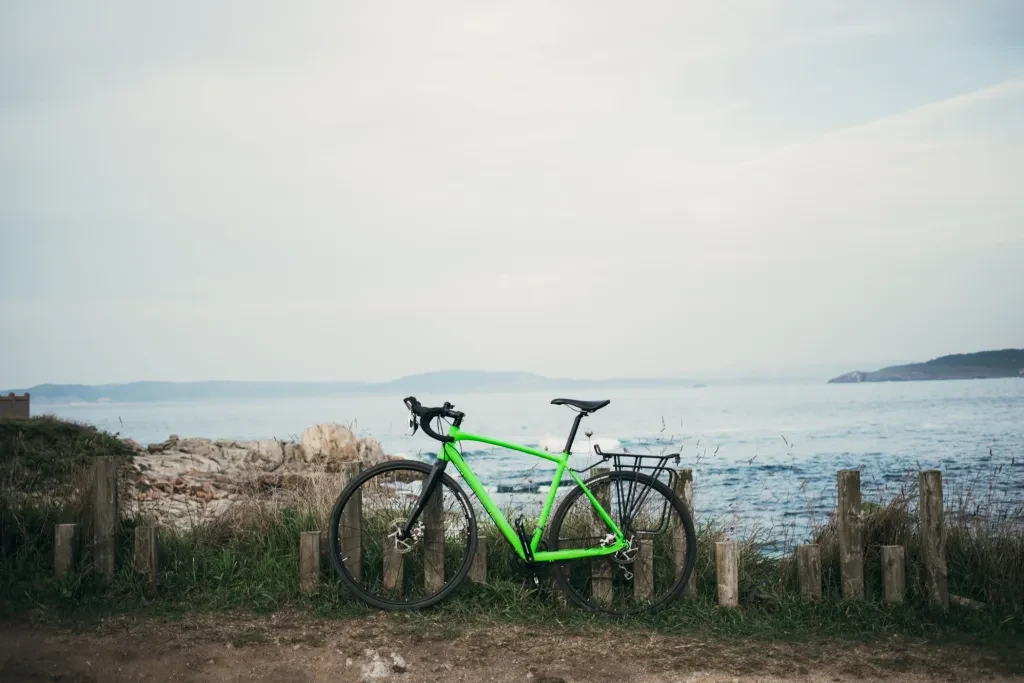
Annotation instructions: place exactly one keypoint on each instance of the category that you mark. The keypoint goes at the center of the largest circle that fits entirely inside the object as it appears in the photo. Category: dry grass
(247, 559)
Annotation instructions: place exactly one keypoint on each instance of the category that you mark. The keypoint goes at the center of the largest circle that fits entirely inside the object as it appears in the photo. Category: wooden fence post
(394, 568)
(433, 540)
(684, 487)
(933, 538)
(478, 570)
(146, 552)
(643, 570)
(105, 503)
(851, 535)
(350, 526)
(893, 573)
(808, 571)
(65, 548)
(309, 561)
(727, 570)
(601, 569)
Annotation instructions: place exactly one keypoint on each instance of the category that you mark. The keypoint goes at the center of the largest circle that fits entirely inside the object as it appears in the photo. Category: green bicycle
(403, 533)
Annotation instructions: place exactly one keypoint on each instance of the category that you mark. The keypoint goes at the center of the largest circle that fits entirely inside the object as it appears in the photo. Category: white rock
(328, 442)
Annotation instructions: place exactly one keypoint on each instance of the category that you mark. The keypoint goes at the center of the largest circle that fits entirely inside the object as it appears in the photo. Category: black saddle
(585, 406)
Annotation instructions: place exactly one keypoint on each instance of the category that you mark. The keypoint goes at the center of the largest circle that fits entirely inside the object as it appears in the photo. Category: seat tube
(538, 533)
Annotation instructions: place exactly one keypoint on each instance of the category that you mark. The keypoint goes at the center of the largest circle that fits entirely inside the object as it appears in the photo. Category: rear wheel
(406, 574)
(647, 575)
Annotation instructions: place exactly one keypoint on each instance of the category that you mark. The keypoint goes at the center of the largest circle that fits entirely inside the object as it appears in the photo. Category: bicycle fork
(432, 482)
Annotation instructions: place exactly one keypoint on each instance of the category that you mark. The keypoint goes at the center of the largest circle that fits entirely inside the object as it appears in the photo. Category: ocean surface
(763, 454)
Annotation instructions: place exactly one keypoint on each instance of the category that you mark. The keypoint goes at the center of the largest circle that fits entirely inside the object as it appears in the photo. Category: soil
(294, 648)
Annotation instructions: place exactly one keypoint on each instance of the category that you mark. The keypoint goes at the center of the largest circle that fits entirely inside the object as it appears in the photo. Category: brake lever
(413, 424)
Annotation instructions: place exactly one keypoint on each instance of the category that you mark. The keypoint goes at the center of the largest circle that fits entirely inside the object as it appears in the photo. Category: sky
(363, 190)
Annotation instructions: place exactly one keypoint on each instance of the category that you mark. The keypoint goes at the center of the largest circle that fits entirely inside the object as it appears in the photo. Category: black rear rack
(645, 463)
(630, 498)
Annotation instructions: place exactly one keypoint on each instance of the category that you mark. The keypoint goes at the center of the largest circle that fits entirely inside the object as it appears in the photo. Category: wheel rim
(407, 573)
(654, 567)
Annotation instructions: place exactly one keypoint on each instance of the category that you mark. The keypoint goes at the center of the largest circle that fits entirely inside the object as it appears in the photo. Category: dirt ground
(291, 648)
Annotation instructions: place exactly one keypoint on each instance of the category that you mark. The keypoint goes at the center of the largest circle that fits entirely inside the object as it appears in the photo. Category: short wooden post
(684, 488)
(601, 569)
(65, 547)
(643, 570)
(146, 553)
(105, 503)
(808, 571)
(350, 526)
(933, 538)
(394, 568)
(893, 573)
(309, 561)
(478, 570)
(851, 535)
(728, 573)
(433, 540)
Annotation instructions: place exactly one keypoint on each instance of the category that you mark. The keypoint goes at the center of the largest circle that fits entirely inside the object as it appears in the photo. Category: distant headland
(449, 382)
(980, 365)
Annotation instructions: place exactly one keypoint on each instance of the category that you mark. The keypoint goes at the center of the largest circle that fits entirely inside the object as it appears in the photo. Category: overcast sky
(270, 190)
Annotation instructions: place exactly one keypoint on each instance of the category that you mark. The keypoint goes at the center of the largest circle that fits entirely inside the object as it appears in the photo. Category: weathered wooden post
(105, 503)
(309, 561)
(146, 552)
(643, 570)
(684, 487)
(601, 568)
(350, 526)
(893, 573)
(65, 548)
(808, 571)
(851, 535)
(933, 538)
(394, 568)
(478, 569)
(728, 573)
(433, 539)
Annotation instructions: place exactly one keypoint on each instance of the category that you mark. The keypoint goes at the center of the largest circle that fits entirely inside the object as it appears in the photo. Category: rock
(332, 442)
(183, 482)
(132, 444)
(370, 451)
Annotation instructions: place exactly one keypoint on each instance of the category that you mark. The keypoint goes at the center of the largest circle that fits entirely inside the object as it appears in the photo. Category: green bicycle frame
(451, 454)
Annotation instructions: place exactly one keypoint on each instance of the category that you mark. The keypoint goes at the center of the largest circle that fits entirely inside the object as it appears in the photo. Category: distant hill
(449, 381)
(980, 365)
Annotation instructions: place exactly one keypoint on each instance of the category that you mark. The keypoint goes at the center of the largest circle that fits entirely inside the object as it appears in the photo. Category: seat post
(572, 434)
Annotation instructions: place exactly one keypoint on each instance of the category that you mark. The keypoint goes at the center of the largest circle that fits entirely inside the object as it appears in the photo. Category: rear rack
(629, 499)
(649, 464)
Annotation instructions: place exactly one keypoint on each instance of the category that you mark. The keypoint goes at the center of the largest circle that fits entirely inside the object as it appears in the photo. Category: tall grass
(247, 559)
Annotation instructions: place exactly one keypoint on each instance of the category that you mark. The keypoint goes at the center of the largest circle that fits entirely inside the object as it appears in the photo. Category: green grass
(249, 563)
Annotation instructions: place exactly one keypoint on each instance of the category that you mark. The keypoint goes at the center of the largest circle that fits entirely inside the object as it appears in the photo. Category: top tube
(460, 435)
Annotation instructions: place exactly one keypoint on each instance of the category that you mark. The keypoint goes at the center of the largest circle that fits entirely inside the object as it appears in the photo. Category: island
(980, 365)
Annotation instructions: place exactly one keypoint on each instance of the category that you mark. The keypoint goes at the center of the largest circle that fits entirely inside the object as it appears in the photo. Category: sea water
(762, 454)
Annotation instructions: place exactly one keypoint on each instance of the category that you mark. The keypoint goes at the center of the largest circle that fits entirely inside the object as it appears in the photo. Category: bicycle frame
(451, 454)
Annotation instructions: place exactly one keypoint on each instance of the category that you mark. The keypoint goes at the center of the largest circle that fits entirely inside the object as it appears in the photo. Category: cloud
(255, 190)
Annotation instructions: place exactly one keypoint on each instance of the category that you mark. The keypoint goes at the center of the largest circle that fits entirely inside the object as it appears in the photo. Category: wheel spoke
(651, 570)
(388, 570)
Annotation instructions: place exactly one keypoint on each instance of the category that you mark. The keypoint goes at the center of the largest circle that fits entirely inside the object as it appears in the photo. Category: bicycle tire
(336, 550)
(561, 570)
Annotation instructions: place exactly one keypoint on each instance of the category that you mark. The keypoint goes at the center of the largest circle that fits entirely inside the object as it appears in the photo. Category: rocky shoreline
(188, 481)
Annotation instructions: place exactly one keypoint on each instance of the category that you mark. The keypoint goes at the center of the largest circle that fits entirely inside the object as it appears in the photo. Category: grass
(247, 560)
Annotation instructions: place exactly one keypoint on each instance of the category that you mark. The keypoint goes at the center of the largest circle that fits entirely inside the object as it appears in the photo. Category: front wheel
(404, 574)
(651, 571)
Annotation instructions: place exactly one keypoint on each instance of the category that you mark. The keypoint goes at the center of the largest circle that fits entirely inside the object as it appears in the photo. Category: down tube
(485, 500)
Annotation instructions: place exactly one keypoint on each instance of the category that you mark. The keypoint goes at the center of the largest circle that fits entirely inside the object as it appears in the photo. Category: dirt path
(289, 648)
